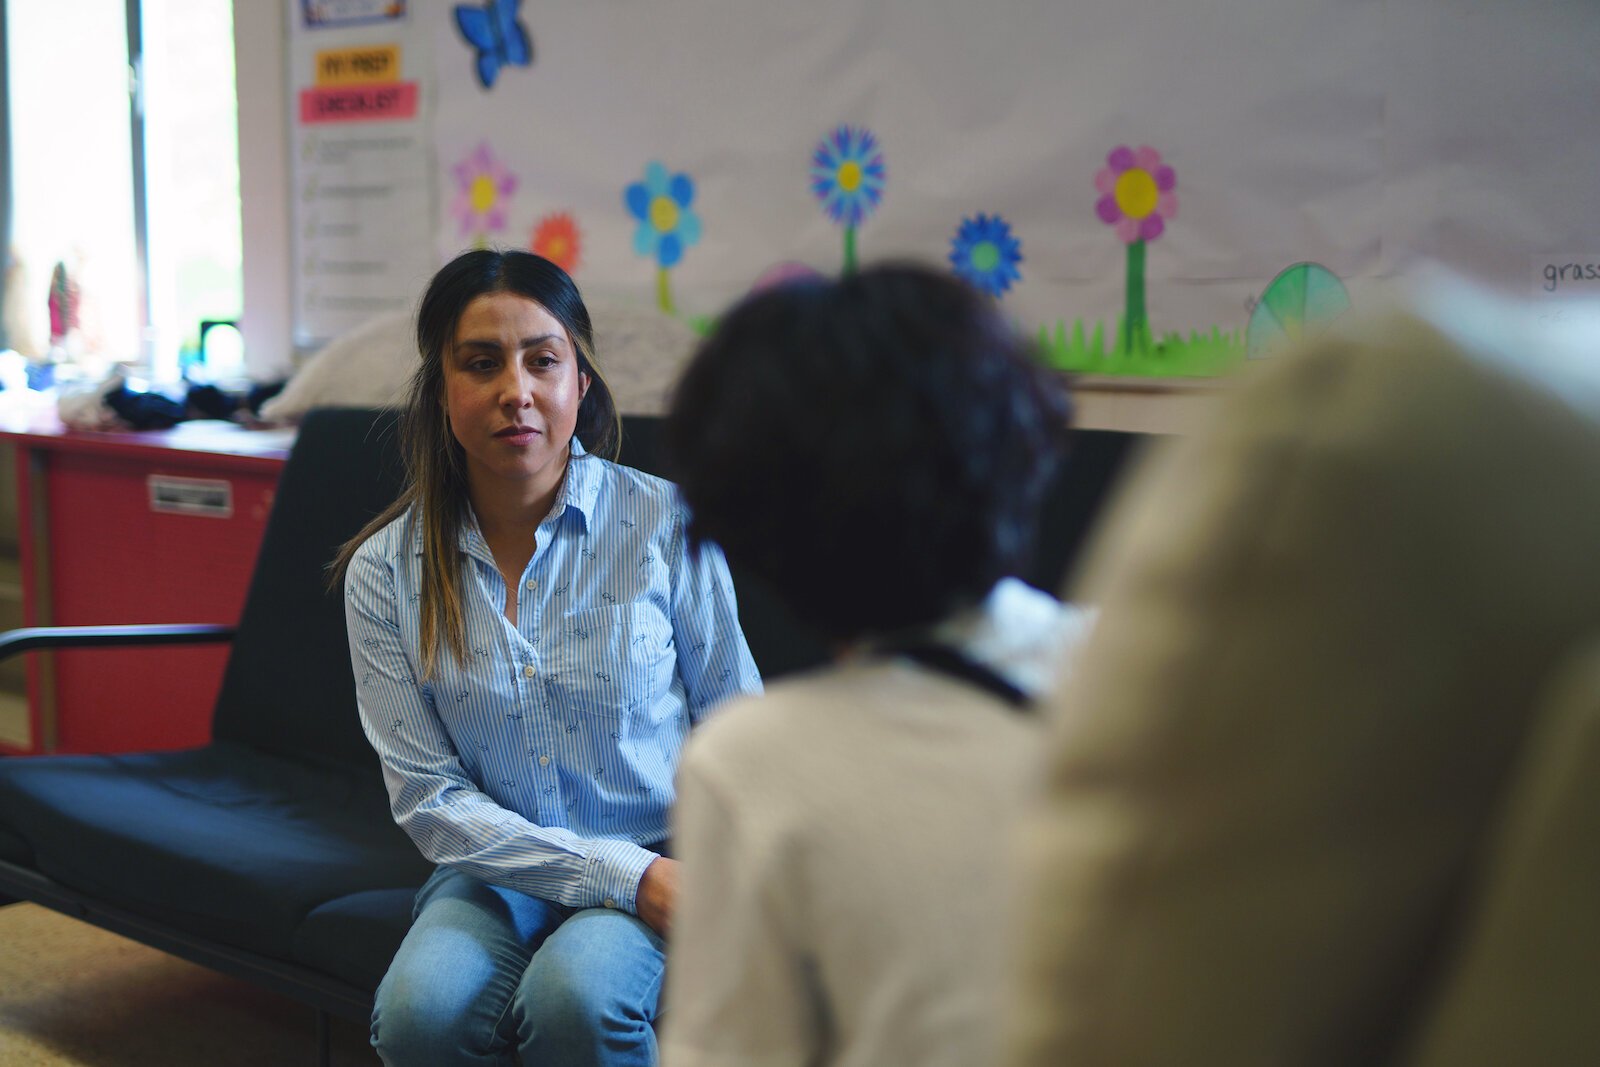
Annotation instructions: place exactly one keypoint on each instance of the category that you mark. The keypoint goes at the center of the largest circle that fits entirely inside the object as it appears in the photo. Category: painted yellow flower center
(483, 191)
(664, 214)
(1137, 193)
(556, 248)
(850, 176)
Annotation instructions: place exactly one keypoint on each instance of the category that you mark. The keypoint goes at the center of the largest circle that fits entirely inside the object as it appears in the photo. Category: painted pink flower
(482, 185)
(1136, 193)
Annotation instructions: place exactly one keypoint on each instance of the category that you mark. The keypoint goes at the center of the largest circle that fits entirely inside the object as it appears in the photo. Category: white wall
(259, 32)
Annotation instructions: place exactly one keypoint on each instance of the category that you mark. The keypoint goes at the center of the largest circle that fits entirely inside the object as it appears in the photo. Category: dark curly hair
(876, 449)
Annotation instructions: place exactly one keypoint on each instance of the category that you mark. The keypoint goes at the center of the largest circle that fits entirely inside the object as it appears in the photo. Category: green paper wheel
(1303, 295)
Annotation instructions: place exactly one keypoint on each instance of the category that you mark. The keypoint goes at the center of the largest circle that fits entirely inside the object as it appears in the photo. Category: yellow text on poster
(358, 66)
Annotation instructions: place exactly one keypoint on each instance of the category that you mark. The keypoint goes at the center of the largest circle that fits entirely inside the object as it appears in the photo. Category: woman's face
(512, 388)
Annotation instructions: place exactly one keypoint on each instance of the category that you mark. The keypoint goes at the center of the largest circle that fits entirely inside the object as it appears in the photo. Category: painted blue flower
(847, 174)
(661, 204)
(985, 254)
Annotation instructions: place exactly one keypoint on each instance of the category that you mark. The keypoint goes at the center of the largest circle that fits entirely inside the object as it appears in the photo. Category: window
(124, 171)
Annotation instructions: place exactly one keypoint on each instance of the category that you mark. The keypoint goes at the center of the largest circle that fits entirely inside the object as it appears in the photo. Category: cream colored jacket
(1328, 788)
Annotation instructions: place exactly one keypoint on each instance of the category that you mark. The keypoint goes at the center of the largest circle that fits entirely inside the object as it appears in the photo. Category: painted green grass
(1200, 355)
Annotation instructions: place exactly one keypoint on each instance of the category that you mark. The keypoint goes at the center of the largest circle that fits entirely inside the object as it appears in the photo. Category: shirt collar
(1019, 632)
(579, 491)
(1015, 630)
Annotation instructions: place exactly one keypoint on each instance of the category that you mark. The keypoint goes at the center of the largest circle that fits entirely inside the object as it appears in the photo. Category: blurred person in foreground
(1327, 789)
(876, 450)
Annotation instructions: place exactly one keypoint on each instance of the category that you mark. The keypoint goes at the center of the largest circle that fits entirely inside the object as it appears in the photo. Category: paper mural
(1306, 155)
(483, 186)
(1136, 199)
(660, 204)
(556, 238)
(847, 176)
(1300, 297)
(985, 254)
(496, 35)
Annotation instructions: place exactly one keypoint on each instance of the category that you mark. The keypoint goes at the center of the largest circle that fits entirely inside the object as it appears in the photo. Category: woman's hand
(658, 894)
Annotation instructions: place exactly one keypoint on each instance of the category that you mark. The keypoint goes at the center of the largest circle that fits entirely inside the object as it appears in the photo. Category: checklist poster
(362, 187)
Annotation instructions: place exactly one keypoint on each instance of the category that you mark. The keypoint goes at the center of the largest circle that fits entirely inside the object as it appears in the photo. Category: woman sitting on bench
(531, 640)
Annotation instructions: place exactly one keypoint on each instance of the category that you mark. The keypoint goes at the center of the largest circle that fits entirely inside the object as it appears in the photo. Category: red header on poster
(358, 103)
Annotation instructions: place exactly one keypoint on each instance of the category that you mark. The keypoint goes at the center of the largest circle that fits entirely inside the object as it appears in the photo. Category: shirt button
(610, 903)
(544, 761)
(532, 583)
(528, 671)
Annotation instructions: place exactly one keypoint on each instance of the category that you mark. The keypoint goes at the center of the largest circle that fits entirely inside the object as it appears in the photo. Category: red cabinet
(158, 527)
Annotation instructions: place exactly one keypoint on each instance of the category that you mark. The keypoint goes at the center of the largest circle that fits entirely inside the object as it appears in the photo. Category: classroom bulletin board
(1194, 178)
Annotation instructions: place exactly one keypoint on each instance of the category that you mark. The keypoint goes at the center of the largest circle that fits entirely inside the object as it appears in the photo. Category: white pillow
(641, 352)
(366, 368)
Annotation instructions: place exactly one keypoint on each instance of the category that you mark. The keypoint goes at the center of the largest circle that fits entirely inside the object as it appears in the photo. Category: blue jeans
(491, 976)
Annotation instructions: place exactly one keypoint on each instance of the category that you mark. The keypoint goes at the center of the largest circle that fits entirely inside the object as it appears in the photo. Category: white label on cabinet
(212, 497)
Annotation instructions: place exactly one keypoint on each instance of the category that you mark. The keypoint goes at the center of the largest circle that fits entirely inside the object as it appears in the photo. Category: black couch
(270, 852)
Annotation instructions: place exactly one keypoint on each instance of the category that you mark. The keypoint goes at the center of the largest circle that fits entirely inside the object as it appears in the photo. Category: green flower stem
(849, 250)
(664, 292)
(1134, 321)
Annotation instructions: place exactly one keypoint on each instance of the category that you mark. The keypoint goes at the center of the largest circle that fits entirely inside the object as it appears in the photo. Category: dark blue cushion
(226, 842)
(13, 849)
(287, 687)
(355, 937)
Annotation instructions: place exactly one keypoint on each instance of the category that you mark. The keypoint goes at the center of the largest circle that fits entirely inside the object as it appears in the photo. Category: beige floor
(72, 994)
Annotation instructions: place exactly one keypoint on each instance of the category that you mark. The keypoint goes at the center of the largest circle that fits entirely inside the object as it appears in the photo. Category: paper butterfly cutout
(495, 31)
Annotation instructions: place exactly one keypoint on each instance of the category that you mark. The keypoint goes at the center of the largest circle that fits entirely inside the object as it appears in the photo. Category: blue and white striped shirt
(546, 761)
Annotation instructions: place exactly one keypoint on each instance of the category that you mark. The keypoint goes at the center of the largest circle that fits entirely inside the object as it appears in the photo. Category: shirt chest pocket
(613, 660)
